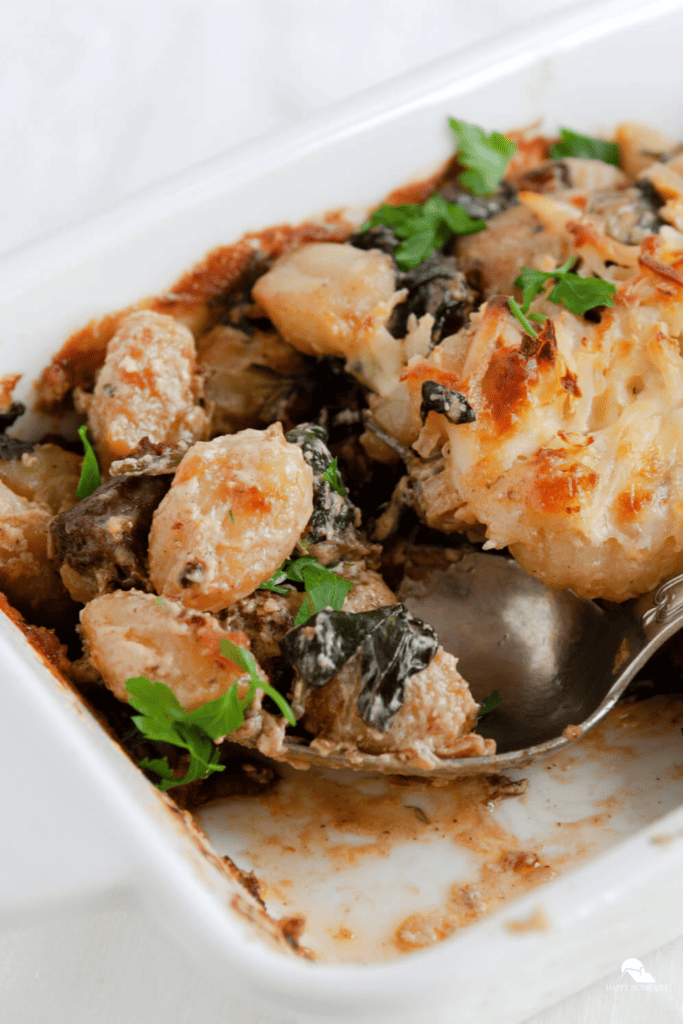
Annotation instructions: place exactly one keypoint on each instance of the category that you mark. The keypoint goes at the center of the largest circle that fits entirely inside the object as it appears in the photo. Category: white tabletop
(98, 99)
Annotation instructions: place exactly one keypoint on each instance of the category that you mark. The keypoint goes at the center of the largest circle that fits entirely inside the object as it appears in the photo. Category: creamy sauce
(384, 866)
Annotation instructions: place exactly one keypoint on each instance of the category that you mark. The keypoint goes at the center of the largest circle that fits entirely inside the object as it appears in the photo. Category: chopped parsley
(324, 589)
(232, 516)
(577, 294)
(585, 147)
(490, 703)
(484, 154)
(517, 311)
(245, 660)
(90, 472)
(162, 719)
(423, 228)
(331, 475)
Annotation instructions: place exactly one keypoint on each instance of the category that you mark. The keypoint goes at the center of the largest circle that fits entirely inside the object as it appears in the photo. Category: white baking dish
(80, 820)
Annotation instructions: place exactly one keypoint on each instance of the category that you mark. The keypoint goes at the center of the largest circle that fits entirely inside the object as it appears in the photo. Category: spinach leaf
(394, 646)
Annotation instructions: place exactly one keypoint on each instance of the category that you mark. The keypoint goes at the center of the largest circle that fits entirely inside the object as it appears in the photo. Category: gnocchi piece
(235, 510)
(148, 386)
(128, 633)
(437, 713)
(48, 474)
(26, 576)
(435, 719)
(328, 299)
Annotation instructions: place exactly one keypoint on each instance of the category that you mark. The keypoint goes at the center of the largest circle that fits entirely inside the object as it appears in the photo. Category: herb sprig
(423, 228)
(91, 477)
(484, 154)
(245, 660)
(490, 703)
(577, 294)
(162, 718)
(331, 475)
(324, 589)
(585, 147)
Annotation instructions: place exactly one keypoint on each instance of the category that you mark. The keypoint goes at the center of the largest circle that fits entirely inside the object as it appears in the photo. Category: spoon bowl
(543, 650)
(559, 662)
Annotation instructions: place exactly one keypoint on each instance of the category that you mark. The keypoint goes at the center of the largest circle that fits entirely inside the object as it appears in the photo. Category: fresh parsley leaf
(289, 570)
(90, 472)
(577, 294)
(423, 228)
(163, 719)
(490, 703)
(324, 589)
(485, 154)
(159, 708)
(245, 659)
(518, 312)
(275, 581)
(585, 147)
(532, 282)
(160, 767)
(224, 715)
(333, 478)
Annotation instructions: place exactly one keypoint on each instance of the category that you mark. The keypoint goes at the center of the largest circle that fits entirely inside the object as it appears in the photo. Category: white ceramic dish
(80, 821)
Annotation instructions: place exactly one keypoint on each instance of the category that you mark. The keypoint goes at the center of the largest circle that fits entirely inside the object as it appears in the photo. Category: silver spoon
(559, 662)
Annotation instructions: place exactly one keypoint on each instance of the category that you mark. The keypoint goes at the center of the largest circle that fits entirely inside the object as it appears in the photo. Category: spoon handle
(661, 611)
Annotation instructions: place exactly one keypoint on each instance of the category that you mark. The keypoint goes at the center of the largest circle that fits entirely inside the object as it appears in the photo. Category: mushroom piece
(101, 543)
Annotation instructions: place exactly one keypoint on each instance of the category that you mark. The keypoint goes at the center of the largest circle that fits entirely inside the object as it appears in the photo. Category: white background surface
(97, 100)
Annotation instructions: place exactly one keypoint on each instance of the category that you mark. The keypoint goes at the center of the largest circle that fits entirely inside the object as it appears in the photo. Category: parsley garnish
(585, 147)
(517, 311)
(163, 719)
(490, 703)
(485, 154)
(423, 228)
(331, 475)
(245, 659)
(232, 516)
(577, 294)
(90, 472)
(324, 589)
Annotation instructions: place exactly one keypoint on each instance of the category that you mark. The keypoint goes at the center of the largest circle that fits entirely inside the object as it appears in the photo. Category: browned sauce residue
(511, 873)
(43, 641)
(538, 921)
(664, 838)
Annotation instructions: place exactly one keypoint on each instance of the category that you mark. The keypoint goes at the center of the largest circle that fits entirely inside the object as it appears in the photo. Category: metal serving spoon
(559, 662)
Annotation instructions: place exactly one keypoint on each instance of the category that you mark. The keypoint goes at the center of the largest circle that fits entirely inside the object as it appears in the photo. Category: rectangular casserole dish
(77, 802)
